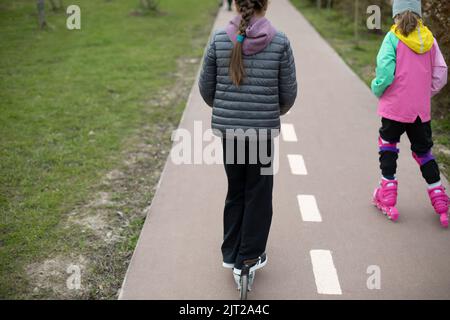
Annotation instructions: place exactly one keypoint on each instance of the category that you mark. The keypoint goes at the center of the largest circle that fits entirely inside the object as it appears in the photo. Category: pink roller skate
(439, 200)
(385, 198)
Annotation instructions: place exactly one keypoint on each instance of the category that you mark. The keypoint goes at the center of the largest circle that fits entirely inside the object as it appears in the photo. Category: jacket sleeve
(439, 73)
(207, 80)
(287, 84)
(386, 63)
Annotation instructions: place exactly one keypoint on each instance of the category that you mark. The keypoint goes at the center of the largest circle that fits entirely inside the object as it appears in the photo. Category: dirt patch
(442, 149)
(62, 276)
(110, 221)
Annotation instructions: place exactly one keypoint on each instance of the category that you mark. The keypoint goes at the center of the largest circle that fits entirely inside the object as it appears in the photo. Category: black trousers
(248, 206)
(420, 135)
(229, 3)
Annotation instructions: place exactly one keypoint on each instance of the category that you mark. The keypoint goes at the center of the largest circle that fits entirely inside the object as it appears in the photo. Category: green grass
(69, 101)
(338, 30)
(360, 55)
(441, 133)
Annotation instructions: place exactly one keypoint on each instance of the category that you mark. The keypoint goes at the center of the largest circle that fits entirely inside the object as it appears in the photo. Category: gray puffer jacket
(268, 90)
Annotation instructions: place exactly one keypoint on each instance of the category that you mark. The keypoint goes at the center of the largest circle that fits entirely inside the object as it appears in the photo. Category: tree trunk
(41, 13)
(356, 20)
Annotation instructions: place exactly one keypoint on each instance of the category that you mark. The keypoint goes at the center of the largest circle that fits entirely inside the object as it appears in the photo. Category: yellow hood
(420, 40)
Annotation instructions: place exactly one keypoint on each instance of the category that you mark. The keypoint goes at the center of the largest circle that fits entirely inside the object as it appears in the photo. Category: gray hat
(400, 6)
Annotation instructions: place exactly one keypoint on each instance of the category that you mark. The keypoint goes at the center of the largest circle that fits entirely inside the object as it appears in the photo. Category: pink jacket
(410, 70)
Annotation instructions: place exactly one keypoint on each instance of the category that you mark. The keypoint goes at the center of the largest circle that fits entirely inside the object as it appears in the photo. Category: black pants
(248, 205)
(229, 3)
(420, 136)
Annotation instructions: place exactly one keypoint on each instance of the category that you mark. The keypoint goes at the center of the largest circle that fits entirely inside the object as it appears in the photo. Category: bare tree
(329, 4)
(41, 13)
(356, 21)
(324, 4)
(56, 5)
(149, 5)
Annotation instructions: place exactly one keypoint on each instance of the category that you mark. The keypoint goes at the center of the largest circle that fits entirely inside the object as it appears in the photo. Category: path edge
(158, 185)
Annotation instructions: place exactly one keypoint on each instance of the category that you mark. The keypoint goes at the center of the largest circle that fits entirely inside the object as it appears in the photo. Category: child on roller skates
(410, 70)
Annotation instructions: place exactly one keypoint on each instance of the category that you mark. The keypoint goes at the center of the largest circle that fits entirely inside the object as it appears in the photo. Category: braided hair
(247, 8)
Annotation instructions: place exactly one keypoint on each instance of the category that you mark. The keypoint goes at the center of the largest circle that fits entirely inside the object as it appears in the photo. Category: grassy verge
(360, 55)
(85, 127)
(441, 132)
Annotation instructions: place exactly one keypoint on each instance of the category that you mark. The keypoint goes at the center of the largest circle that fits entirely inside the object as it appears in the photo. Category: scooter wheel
(244, 286)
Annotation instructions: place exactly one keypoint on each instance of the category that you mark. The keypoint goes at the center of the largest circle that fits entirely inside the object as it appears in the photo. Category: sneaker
(227, 265)
(251, 279)
(258, 263)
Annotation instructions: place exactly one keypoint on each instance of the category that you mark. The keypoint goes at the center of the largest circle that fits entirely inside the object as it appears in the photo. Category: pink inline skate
(439, 200)
(385, 198)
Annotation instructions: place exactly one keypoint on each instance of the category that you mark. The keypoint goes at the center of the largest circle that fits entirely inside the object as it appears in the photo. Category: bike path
(335, 125)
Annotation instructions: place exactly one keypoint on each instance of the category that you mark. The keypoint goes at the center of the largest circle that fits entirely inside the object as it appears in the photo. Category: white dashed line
(297, 164)
(308, 208)
(288, 132)
(325, 273)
